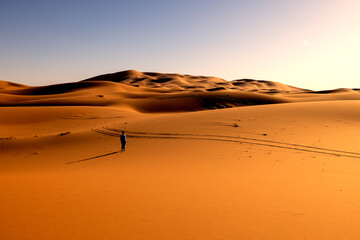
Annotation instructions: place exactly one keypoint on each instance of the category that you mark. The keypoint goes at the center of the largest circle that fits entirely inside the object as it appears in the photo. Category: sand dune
(156, 92)
(4, 85)
(178, 82)
(247, 168)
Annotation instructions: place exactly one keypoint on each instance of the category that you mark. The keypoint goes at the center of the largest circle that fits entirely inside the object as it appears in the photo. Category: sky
(313, 44)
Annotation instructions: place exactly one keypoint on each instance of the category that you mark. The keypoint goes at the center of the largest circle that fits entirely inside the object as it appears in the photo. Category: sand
(222, 164)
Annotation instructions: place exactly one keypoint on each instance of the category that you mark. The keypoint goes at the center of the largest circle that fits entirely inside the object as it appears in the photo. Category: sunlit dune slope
(4, 85)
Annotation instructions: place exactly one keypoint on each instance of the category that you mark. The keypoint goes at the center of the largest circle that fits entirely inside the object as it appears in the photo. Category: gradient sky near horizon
(313, 44)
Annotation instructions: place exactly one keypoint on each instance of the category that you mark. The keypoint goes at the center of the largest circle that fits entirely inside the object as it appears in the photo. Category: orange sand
(272, 171)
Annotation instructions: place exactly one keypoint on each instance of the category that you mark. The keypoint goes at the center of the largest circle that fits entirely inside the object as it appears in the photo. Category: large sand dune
(247, 168)
(156, 92)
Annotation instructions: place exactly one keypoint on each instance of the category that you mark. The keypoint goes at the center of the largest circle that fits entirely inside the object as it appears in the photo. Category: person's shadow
(87, 159)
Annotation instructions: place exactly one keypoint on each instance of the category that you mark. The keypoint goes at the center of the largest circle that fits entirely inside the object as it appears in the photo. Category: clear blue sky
(310, 43)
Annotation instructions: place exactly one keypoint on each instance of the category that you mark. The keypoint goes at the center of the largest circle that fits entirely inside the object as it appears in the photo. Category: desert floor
(281, 171)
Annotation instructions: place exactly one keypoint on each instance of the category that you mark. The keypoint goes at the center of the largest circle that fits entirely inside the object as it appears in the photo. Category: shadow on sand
(87, 159)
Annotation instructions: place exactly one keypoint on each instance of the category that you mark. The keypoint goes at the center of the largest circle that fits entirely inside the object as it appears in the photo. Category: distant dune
(180, 82)
(158, 92)
(4, 86)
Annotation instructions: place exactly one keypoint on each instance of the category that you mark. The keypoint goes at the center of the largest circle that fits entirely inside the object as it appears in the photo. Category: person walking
(123, 141)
